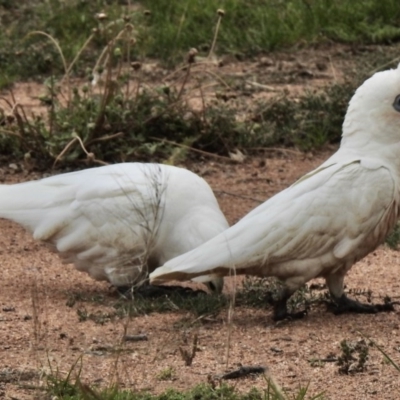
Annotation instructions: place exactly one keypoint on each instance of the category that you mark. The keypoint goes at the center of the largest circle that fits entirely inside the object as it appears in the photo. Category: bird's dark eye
(396, 103)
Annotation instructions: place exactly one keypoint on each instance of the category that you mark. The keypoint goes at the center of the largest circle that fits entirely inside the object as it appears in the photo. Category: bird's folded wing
(90, 212)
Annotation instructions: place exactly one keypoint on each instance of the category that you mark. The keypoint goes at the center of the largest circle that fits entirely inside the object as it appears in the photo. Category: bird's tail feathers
(24, 203)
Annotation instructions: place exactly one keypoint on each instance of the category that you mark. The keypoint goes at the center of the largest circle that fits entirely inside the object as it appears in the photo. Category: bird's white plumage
(114, 222)
(328, 219)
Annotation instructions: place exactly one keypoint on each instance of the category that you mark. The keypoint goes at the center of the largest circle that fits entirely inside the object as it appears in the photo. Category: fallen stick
(243, 371)
(134, 338)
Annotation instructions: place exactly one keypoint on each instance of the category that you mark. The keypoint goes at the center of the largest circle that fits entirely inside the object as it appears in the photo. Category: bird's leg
(343, 304)
(280, 307)
(216, 285)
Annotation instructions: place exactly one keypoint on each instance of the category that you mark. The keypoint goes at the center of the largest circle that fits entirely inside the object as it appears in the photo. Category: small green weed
(393, 239)
(167, 374)
(354, 356)
(263, 292)
(258, 292)
(98, 317)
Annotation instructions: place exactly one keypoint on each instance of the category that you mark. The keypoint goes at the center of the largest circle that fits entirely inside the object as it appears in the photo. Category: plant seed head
(101, 16)
(10, 118)
(221, 12)
(128, 27)
(191, 56)
(136, 65)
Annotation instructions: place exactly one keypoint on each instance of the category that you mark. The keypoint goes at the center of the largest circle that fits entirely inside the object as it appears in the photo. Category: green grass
(393, 238)
(249, 27)
(24, 55)
(312, 120)
(173, 27)
(65, 389)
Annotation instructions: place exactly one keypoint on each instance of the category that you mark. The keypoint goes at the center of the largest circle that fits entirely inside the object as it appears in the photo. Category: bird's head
(373, 115)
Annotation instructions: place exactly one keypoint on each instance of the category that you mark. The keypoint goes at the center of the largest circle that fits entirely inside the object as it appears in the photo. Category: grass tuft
(306, 122)
(199, 305)
(393, 239)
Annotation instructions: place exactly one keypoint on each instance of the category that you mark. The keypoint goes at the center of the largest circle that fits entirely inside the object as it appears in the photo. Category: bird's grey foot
(346, 305)
(281, 312)
(216, 285)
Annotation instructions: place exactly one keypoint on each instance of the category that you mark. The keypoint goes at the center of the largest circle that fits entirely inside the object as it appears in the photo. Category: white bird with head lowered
(118, 222)
(327, 220)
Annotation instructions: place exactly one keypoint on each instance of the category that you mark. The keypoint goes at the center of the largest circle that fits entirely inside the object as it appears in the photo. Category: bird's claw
(281, 314)
(346, 305)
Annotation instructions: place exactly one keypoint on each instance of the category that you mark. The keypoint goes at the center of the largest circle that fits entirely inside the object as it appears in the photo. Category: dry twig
(135, 338)
(243, 371)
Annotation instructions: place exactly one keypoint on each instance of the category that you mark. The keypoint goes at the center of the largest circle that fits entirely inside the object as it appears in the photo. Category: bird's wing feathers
(326, 215)
(92, 213)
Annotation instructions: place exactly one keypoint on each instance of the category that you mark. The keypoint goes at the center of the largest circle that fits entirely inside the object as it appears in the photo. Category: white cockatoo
(327, 220)
(117, 222)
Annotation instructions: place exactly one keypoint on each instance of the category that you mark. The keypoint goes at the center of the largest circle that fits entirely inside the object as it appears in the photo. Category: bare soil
(41, 332)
